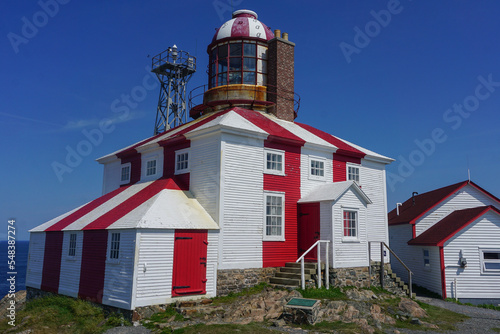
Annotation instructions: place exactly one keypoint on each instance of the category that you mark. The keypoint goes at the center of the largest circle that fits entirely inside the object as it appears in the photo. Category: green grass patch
(333, 293)
(227, 328)
(61, 314)
(328, 327)
(496, 329)
(444, 318)
(487, 306)
(233, 296)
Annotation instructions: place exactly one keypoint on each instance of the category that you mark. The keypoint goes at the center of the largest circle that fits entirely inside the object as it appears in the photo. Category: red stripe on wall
(443, 273)
(131, 203)
(339, 166)
(277, 253)
(170, 146)
(135, 167)
(66, 221)
(93, 265)
(52, 261)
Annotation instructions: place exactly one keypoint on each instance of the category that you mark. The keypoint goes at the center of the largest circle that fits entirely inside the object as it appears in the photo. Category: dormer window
(353, 173)
(125, 173)
(151, 167)
(181, 162)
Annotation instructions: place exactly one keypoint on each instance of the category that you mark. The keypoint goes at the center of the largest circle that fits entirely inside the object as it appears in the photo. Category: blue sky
(418, 81)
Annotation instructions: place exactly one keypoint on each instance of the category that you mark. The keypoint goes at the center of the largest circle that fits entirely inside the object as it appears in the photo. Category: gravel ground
(481, 320)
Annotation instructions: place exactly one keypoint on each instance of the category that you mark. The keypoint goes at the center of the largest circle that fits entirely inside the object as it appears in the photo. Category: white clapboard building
(450, 239)
(242, 186)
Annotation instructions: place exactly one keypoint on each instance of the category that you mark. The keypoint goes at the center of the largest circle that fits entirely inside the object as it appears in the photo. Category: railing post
(327, 266)
(370, 262)
(302, 274)
(319, 264)
(410, 285)
(382, 264)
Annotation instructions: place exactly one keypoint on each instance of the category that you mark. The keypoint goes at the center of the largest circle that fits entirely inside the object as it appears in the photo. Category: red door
(308, 229)
(190, 263)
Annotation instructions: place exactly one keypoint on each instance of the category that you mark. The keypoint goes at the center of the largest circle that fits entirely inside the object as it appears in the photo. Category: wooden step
(297, 270)
(285, 281)
(292, 275)
(307, 265)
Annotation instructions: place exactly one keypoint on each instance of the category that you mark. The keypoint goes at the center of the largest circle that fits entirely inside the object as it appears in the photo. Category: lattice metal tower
(173, 68)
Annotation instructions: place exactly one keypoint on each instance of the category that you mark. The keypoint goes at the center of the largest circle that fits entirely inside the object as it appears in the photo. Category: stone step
(296, 270)
(292, 275)
(285, 281)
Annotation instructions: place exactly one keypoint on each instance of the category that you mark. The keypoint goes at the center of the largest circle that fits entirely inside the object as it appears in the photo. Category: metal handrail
(327, 264)
(410, 273)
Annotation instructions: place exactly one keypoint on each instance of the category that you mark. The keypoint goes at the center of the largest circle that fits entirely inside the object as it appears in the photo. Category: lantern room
(243, 68)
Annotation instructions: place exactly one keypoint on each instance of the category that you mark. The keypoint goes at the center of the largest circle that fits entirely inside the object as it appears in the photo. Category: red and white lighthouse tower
(249, 67)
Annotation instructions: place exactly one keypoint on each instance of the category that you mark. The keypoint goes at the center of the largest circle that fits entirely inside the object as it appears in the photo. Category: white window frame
(72, 245)
(348, 165)
(350, 238)
(280, 237)
(484, 261)
(114, 247)
(426, 258)
(311, 175)
(185, 169)
(146, 168)
(274, 171)
(123, 166)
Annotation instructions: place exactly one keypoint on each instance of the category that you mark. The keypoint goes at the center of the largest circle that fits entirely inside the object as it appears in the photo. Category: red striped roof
(409, 212)
(447, 227)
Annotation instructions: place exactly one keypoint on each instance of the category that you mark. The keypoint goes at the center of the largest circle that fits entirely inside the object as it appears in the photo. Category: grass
(232, 297)
(487, 306)
(328, 327)
(222, 329)
(496, 329)
(60, 314)
(333, 293)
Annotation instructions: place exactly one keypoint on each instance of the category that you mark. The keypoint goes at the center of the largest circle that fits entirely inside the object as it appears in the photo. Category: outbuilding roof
(415, 207)
(332, 192)
(156, 204)
(447, 227)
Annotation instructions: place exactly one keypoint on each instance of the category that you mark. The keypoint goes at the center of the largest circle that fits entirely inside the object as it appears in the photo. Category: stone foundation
(235, 280)
(358, 277)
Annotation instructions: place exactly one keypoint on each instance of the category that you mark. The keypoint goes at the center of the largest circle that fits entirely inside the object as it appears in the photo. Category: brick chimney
(280, 76)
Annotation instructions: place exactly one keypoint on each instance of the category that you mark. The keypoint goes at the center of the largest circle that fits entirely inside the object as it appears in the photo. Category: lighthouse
(249, 67)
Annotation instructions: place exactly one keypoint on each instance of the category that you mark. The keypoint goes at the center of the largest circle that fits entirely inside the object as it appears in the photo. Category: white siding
(326, 231)
(471, 283)
(242, 199)
(412, 256)
(156, 154)
(467, 197)
(111, 177)
(350, 253)
(118, 275)
(306, 183)
(205, 177)
(69, 281)
(372, 180)
(212, 257)
(154, 267)
(35, 259)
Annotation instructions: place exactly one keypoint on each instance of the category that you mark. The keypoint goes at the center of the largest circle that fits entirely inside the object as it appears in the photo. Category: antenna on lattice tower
(173, 69)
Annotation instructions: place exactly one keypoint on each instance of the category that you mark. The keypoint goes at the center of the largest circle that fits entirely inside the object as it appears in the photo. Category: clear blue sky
(395, 84)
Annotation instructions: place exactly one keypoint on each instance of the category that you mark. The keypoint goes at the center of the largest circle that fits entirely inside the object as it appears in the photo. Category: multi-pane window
(317, 168)
(72, 244)
(274, 216)
(114, 252)
(350, 224)
(125, 175)
(181, 162)
(353, 174)
(427, 259)
(241, 62)
(490, 260)
(274, 162)
(151, 167)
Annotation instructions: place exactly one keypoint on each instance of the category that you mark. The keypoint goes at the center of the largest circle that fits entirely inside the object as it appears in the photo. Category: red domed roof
(243, 24)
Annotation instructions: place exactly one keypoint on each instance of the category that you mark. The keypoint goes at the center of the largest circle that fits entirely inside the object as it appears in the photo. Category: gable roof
(409, 213)
(332, 192)
(246, 120)
(154, 204)
(447, 227)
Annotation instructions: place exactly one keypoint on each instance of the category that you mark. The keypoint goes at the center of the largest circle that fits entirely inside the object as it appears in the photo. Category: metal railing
(382, 264)
(327, 264)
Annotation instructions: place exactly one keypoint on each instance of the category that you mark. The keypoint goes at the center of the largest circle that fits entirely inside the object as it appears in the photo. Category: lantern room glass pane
(249, 49)
(222, 51)
(234, 77)
(222, 65)
(222, 79)
(249, 64)
(235, 64)
(249, 78)
(235, 49)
